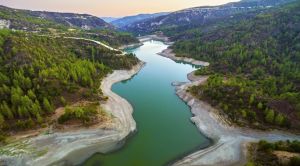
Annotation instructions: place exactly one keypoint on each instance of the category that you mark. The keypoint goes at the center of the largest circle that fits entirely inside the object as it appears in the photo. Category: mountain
(122, 22)
(63, 24)
(109, 19)
(198, 16)
(26, 19)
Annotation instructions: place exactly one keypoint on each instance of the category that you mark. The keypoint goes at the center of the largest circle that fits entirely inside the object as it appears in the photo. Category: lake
(164, 129)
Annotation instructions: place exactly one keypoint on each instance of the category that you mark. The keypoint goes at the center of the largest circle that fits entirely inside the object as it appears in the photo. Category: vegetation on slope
(39, 74)
(61, 24)
(256, 67)
(85, 113)
(281, 153)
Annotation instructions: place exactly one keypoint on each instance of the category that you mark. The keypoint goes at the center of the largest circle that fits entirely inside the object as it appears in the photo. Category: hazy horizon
(112, 8)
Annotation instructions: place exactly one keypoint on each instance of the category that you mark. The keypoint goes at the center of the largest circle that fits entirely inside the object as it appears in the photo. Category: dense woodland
(39, 74)
(255, 67)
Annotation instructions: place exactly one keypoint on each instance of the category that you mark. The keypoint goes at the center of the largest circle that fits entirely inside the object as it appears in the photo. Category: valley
(208, 85)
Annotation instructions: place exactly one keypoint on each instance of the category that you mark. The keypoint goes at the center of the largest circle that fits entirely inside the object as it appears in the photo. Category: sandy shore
(229, 147)
(169, 54)
(72, 148)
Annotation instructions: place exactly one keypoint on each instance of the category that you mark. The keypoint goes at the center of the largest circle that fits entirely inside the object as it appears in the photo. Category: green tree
(63, 101)
(269, 116)
(260, 105)
(36, 108)
(47, 105)
(27, 83)
(252, 99)
(39, 118)
(16, 94)
(2, 121)
(31, 94)
(5, 110)
(279, 119)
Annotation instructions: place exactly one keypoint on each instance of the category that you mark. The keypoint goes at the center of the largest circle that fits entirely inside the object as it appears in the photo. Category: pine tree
(2, 121)
(47, 105)
(31, 94)
(5, 110)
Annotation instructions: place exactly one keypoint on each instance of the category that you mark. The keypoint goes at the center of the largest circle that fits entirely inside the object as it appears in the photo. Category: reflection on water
(165, 131)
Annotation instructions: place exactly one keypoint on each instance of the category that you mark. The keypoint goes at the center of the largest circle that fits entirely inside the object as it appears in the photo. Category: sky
(105, 8)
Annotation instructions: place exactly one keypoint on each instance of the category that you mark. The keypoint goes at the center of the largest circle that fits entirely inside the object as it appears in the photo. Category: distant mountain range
(138, 24)
(197, 16)
(109, 19)
(125, 21)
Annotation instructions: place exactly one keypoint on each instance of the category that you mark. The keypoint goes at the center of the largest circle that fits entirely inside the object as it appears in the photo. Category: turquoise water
(164, 129)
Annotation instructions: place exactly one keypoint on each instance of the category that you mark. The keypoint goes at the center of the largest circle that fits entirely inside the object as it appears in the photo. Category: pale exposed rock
(169, 54)
(4, 24)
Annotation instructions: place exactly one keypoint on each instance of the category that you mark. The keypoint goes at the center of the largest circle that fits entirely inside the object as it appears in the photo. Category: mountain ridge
(82, 21)
(198, 16)
(127, 20)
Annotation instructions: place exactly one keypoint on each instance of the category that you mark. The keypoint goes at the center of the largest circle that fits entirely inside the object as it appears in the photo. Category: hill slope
(198, 16)
(259, 58)
(63, 24)
(123, 22)
(39, 74)
(26, 19)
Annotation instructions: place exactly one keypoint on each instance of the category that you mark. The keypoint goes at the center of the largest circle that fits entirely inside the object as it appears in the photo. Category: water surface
(165, 131)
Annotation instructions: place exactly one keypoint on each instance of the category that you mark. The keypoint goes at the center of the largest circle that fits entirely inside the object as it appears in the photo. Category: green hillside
(64, 24)
(255, 64)
(39, 74)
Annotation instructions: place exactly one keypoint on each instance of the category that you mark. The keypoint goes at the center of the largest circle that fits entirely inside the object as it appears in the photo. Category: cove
(164, 130)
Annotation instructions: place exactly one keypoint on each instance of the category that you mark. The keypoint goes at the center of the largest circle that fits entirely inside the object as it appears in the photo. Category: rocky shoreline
(229, 142)
(168, 53)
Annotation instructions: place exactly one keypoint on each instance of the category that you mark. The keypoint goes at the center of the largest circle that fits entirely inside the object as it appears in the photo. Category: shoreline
(72, 148)
(168, 53)
(229, 142)
(131, 46)
(146, 38)
(161, 38)
(212, 126)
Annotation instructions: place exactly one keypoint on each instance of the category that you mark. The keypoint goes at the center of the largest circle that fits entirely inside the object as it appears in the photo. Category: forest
(38, 74)
(255, 67)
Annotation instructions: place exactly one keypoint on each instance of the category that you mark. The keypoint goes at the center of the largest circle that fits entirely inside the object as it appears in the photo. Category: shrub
(295, 161)
(265, 146)
(269, 116)
(84, 114)
(279, 119)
